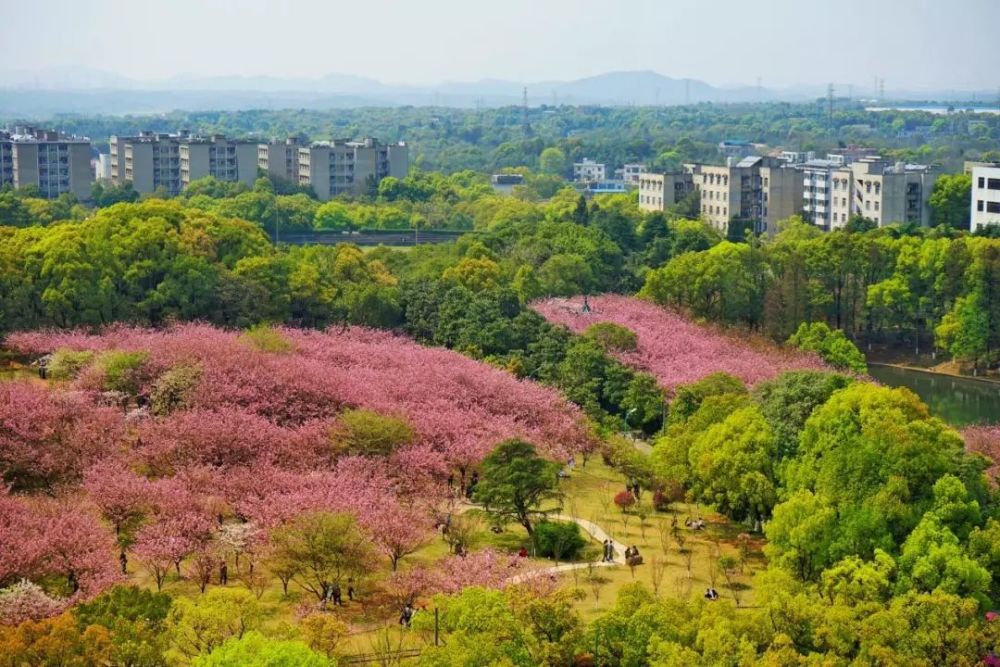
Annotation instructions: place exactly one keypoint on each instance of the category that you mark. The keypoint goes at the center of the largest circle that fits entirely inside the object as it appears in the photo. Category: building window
(979, 205)
(993, 207)
(876, 206)
(982, 182)
(993, 184)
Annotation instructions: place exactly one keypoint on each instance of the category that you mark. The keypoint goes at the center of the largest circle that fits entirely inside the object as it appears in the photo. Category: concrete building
(337, 167)
(226, 159)
(150, 161)
(757, 190)
(280, 159)
(658, 192)
(53, 162)
(826, 193)
(589, 171)
(890, 193)
(504, 183)
(102, 167)
(985, 197)
(735, 148)
(631, 173)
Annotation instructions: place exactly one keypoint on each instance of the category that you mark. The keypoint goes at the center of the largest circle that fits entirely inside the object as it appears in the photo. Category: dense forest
(450, 140)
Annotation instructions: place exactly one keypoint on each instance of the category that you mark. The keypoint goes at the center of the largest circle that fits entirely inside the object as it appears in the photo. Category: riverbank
(959, 400)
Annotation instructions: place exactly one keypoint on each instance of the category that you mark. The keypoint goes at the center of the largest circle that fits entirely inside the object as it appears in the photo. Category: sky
(918, 44)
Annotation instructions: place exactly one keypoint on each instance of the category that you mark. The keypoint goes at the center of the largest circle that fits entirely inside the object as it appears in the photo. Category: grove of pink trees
(985, 440)
(672, 348)
(248, 443)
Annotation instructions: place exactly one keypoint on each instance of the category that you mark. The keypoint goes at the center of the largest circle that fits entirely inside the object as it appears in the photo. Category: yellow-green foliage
(123, 371)
(367, 433)
(67, 364)
(266, 338)
(172, 389)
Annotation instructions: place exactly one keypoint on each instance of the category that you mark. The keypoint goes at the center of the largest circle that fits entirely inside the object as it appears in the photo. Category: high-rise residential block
(985, 197)
(337, 167)
(756, 190)
(280, 158)
(658, 192)
(53, 162)
(892, 192)
(226, 159)
(150, 161)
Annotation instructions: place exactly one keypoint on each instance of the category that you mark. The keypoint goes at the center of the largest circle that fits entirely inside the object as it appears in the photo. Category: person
(123, 559)
(350, 590)
(628, 553)
(711, 594)
(223, 573)
(471, 488)
(634, 558)
(406, 616)
(522, 553)
(336, 595)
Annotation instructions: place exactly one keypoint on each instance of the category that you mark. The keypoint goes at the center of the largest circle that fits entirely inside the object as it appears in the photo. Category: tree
(362, 432)
(255, 650)
(832, 345)
(197, 626)
(553, 161)
(323, 549)
(515, 483)
(949, 201)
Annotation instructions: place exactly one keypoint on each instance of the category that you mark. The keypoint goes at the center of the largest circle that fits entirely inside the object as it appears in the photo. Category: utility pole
(524, 111)
(881, 89)
(829, 106)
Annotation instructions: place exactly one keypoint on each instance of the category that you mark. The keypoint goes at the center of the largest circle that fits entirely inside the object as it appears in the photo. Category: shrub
(624, 500)
(612, 337)
(368, 433)
(130, 603)
(266, 338)
(670, 492)
(123, 371)
(831, 345)
(558, 539)
(67, 364)
(171, 390)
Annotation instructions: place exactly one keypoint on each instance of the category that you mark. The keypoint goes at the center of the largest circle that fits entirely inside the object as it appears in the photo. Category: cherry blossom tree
(672, 348)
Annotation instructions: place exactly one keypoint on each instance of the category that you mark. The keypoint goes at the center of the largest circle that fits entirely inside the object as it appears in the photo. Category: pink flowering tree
(26, 601)
(674, 349)
(985, 440)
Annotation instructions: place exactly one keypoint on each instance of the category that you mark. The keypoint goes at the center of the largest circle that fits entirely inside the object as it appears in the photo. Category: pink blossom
(985, 440)
(674, 349)
(26, 601)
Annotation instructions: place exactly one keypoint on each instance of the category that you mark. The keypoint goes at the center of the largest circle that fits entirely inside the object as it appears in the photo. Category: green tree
(949, 201)
(255, 650)
(198, 625)
(553, 161)
(361, 432)
(516, 483)
(831, 345)
(321, 549)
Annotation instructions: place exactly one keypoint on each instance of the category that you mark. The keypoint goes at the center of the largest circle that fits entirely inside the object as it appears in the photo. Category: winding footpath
(592, 529)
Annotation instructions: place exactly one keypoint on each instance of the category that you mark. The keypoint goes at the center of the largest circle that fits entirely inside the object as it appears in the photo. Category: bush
(266, 338)
(612, 337)
(670, 492)
(171, 390)
(123, 371)
(367, 433)
(130, 603)
(558, 539)
(624, 500)
(67, 364)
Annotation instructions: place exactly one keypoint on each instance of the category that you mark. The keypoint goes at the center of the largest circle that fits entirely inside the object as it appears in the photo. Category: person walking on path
(223, 573)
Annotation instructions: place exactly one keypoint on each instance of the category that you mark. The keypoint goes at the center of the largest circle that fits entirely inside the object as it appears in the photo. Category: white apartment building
(341, 166)
(589, 171)
(826, 193)
(53, 162)
(631, 173)
(150, 161)
(102, 167)
(985, 197)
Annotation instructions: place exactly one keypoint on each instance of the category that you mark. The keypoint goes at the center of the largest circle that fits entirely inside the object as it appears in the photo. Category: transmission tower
(881, 89)
(524, 112)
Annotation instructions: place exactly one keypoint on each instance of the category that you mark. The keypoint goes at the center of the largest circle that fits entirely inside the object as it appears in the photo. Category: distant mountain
(84, 90)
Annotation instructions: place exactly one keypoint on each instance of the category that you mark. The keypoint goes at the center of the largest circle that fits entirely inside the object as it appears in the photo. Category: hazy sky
(912, 43)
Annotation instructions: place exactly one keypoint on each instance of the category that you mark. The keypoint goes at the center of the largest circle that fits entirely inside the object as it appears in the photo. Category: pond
(957, 400)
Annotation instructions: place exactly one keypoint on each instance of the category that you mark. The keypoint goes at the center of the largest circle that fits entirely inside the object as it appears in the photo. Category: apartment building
(150, 161)
(826, 193)
(341, 166)
(631, 173)
(890, 193)
(757, 190)
(102, 167)
(217, 156)
(280, 159)
(658, 192)
(53, 162)
(169, 162)
(985, 197)
(589, 171)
